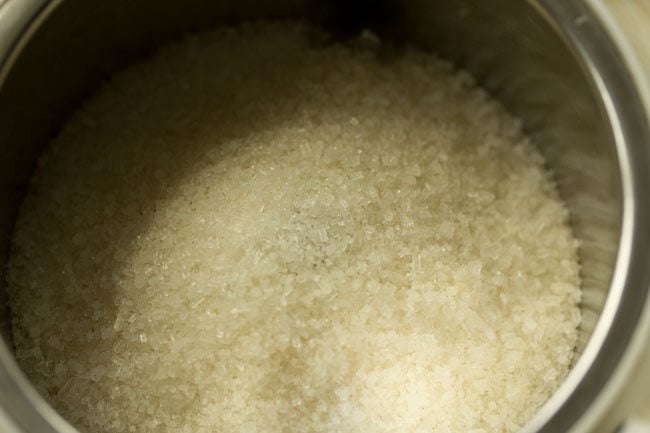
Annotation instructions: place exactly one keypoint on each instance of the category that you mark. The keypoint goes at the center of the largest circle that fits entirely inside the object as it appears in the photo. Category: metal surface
(560, 66)
(635, 426)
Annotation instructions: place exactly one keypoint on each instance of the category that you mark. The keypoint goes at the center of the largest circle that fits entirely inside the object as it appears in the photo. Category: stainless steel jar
(560, 66)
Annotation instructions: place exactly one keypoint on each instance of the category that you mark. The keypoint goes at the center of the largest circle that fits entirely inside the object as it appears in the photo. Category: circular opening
(611, 84)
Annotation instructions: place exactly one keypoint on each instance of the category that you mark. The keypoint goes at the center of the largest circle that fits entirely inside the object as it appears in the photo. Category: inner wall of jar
(506, 44)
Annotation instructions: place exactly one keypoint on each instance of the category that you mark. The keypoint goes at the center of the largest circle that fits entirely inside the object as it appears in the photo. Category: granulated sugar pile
(245, 233)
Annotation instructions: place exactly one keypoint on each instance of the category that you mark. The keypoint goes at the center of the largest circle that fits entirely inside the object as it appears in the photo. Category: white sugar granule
(247, 233)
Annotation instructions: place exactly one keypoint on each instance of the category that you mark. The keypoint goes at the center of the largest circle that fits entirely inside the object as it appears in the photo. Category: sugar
(245, 233)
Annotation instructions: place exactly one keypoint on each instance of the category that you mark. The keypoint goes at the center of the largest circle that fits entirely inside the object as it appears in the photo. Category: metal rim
(598, 378)
(22, 407)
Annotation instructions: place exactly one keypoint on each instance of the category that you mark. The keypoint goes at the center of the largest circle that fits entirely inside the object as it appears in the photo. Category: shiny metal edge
(635, 426)
(639, 345)
(23, 408)
(611, 392)
(18, 22)
(607, 315)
